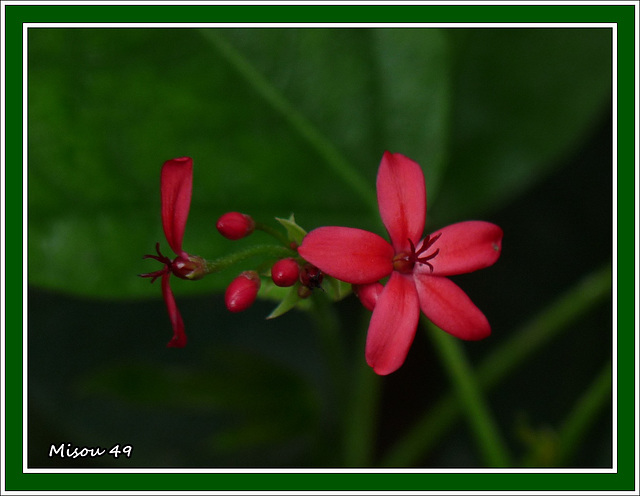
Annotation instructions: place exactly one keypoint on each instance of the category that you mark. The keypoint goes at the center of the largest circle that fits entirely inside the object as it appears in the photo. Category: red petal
(448, 307)
(393, 325)
(179, 339)
(464, 247)
(402, 199)
(368, 294)
(175, 192)
(351, 255)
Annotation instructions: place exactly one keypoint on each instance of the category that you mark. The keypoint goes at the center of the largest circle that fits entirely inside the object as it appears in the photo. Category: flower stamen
(160, 258)
(404, 262)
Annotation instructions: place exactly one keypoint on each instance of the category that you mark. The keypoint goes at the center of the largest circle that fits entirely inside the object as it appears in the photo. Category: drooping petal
(448, 307)
(176, 181)
(179, 339)
(393, 324)
(348, 254)
(464, 247)
(402, 199)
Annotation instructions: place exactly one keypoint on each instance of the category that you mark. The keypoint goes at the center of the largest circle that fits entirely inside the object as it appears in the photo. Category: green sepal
(288, 298)
(294, 231)
(335, 289)
(288, 302)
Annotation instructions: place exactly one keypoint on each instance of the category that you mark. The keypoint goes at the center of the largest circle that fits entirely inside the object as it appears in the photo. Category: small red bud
(242, 291)
(192, 268)
(311, 276)
(368, 294)
(234, 225)
(285, 272)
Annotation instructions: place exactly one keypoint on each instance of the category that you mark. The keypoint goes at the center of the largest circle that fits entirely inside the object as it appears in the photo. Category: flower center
(192, 268)
(404, 262)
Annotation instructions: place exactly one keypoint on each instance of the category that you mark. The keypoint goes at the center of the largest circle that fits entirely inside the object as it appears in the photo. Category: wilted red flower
(417, 268)
(176, 181)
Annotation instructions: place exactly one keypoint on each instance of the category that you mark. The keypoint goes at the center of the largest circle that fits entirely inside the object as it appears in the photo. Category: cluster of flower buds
(339, 260)
(288, 272)
(290, 278)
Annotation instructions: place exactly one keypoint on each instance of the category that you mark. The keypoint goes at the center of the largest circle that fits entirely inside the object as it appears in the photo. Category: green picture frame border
(624, 479)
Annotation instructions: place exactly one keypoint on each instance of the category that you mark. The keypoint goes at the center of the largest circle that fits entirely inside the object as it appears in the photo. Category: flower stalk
(524, 343)
(469, 393)
(225, 262)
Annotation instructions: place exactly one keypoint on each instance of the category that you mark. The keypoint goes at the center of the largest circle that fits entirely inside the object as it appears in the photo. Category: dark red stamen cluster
(404, 262)
(162, 259)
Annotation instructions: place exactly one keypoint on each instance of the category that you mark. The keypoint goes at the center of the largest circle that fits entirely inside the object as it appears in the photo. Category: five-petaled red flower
(176, 181)
(416, 268)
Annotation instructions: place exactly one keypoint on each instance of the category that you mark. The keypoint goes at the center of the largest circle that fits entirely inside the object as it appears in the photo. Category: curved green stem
(477, 411)
(333, 158)
(575, 303)
(361, 415)
(330, 337)
(272, 232)
(213, 266)
(583, 414)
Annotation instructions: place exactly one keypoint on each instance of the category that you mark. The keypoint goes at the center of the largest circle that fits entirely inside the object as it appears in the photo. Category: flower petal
(393, 325)
(176, 181)
(179, 339)
(402, 199)
(448, 307)
(368, 294)
(350, 255)
(464, 247)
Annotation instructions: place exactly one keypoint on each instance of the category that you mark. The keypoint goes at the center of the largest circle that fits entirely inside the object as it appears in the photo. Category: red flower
(176, 180)
(417, 268)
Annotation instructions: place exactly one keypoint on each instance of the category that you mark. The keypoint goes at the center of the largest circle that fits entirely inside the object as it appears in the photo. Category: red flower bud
(285, 272)
(311, 276)
(234, 225)
(192, 268)
(368, 293)
(242, 291)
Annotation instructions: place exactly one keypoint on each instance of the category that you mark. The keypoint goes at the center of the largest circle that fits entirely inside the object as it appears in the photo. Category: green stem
(272, 232)
(362, 408)
(328, 327)
(580, 299)
(299, 122)
(213, 266)
(583, 415)
(476, 409)
(548, 324)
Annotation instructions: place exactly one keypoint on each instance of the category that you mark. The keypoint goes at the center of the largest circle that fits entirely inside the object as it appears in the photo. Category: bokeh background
(512, 126)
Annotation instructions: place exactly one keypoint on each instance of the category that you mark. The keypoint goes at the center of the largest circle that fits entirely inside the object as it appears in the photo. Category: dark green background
(510, 125)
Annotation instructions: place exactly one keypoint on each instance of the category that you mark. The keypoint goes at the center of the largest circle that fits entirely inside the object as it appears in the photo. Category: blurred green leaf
(497, 108)
(523, 100)
(259, 384)
(253, 403)
(108, 107)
